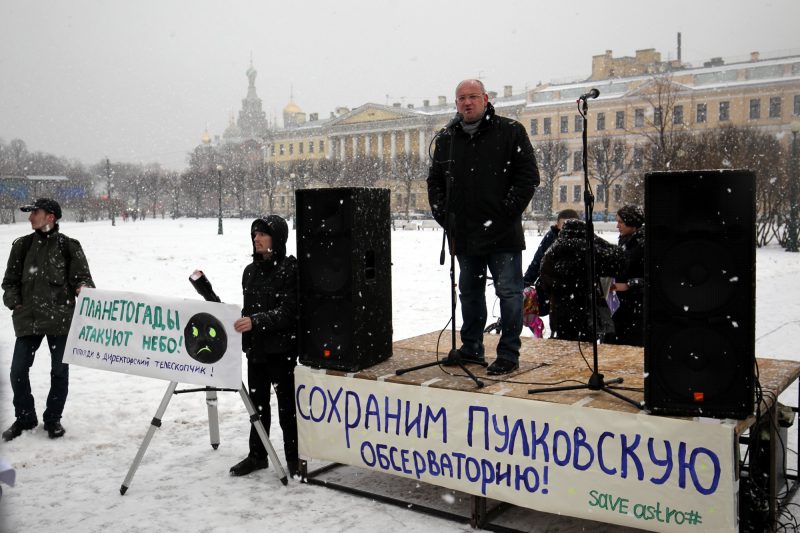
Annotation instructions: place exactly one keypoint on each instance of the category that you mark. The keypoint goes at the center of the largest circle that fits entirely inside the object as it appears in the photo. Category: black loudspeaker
(699, 304)
(345, 282)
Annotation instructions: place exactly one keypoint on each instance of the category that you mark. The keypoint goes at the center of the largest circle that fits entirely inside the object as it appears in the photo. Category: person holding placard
(46, 270)
(269, 337)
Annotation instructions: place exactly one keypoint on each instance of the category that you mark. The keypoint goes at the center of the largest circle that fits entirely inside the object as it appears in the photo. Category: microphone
(458, 117)
(593, 93)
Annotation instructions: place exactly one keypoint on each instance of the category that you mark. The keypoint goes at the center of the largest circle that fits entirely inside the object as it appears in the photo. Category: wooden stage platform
(544, 363)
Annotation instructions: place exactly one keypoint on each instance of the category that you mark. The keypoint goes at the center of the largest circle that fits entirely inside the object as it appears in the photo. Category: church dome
(292, 108)
(232, 131)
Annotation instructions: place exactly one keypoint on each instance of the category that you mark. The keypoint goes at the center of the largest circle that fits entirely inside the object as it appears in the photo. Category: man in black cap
(269, 337)
(46, 270)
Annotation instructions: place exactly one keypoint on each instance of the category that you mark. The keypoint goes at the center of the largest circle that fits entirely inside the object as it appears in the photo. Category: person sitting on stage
(269, 327)
(629, 286)
(532, 273)
(565, 277)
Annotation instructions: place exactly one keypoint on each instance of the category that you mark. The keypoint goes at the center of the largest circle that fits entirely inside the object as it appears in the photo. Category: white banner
(635, 470)
(188, 341)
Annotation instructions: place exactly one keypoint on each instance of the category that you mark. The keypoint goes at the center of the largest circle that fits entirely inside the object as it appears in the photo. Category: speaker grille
(700, 293)
(345, 286)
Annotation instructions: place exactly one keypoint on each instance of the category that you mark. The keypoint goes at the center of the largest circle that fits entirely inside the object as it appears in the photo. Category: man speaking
(494, 176)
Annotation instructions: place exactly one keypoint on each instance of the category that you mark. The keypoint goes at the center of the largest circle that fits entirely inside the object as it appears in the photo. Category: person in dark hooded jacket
(565, 275)
(494, 176)
(269, 337)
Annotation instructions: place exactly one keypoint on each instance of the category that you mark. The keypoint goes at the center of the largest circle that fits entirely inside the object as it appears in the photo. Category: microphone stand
(453, 356)
(596, 381)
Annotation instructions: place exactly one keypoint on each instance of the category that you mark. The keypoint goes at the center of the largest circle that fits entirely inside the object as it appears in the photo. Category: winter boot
(247, 465)
(20, 424)
(54, 429)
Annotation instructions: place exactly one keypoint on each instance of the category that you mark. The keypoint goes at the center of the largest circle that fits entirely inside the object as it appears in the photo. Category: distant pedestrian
(46, 271)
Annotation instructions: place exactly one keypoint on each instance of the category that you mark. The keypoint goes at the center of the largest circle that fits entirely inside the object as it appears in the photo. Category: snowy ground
(72, 484)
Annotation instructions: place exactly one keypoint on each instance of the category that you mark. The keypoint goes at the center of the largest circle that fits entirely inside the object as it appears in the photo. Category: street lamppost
(219, 192)
(794, 177)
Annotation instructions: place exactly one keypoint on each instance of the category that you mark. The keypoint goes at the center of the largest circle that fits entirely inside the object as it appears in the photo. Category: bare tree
(609, 161)
(408, 172)
(330, 172)
(664, 125)
(269, 175)
(552, 157)
(742, 147)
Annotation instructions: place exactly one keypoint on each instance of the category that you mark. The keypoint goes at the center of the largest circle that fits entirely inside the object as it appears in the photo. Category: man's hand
(243, 324)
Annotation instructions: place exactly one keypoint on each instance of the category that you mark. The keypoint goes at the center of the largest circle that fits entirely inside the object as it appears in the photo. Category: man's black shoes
(501, 366)
(465, 358)
(19, 425)
(247, 465)
(54, 429)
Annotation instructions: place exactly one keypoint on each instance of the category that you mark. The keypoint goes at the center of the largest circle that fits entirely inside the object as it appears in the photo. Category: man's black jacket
(494, 178)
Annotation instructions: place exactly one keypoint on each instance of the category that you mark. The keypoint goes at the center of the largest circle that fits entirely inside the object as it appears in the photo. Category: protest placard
(187, 341)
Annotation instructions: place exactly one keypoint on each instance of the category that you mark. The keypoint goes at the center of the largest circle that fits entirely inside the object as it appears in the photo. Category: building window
(724, 111)
(534, 126)
(272, 150)
(291, 148)
(546, 126)
(576, 193)
(755, 108)
(300, 147)
(617, 193)
(577, 161)
(638, 157)
(702, 113)
(677, 114)
(412, 199)
(322, 147)
(657, 112)
(638, 118)
(564, 124)
(280, 150)
(562, 194)
(579, 123)
(775, 107)
(796, 104)
(562, 166)
(619, 120)
(601, 193)
(310, 147)
(601, 121)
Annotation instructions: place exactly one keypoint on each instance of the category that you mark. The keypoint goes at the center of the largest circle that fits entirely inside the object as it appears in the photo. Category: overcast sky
(139, 80)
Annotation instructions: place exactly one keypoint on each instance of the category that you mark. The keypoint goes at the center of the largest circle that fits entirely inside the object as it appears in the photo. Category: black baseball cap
(48, 204)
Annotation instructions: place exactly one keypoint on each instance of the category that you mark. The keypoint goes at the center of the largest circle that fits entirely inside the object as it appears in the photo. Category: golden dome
(206, 138)
(291, 107)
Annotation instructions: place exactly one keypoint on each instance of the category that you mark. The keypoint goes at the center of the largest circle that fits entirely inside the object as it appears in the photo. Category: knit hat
(631, 215)
(48, 204)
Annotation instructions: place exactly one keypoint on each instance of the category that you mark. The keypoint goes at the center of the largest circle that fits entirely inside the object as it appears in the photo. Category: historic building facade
(636, 94)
